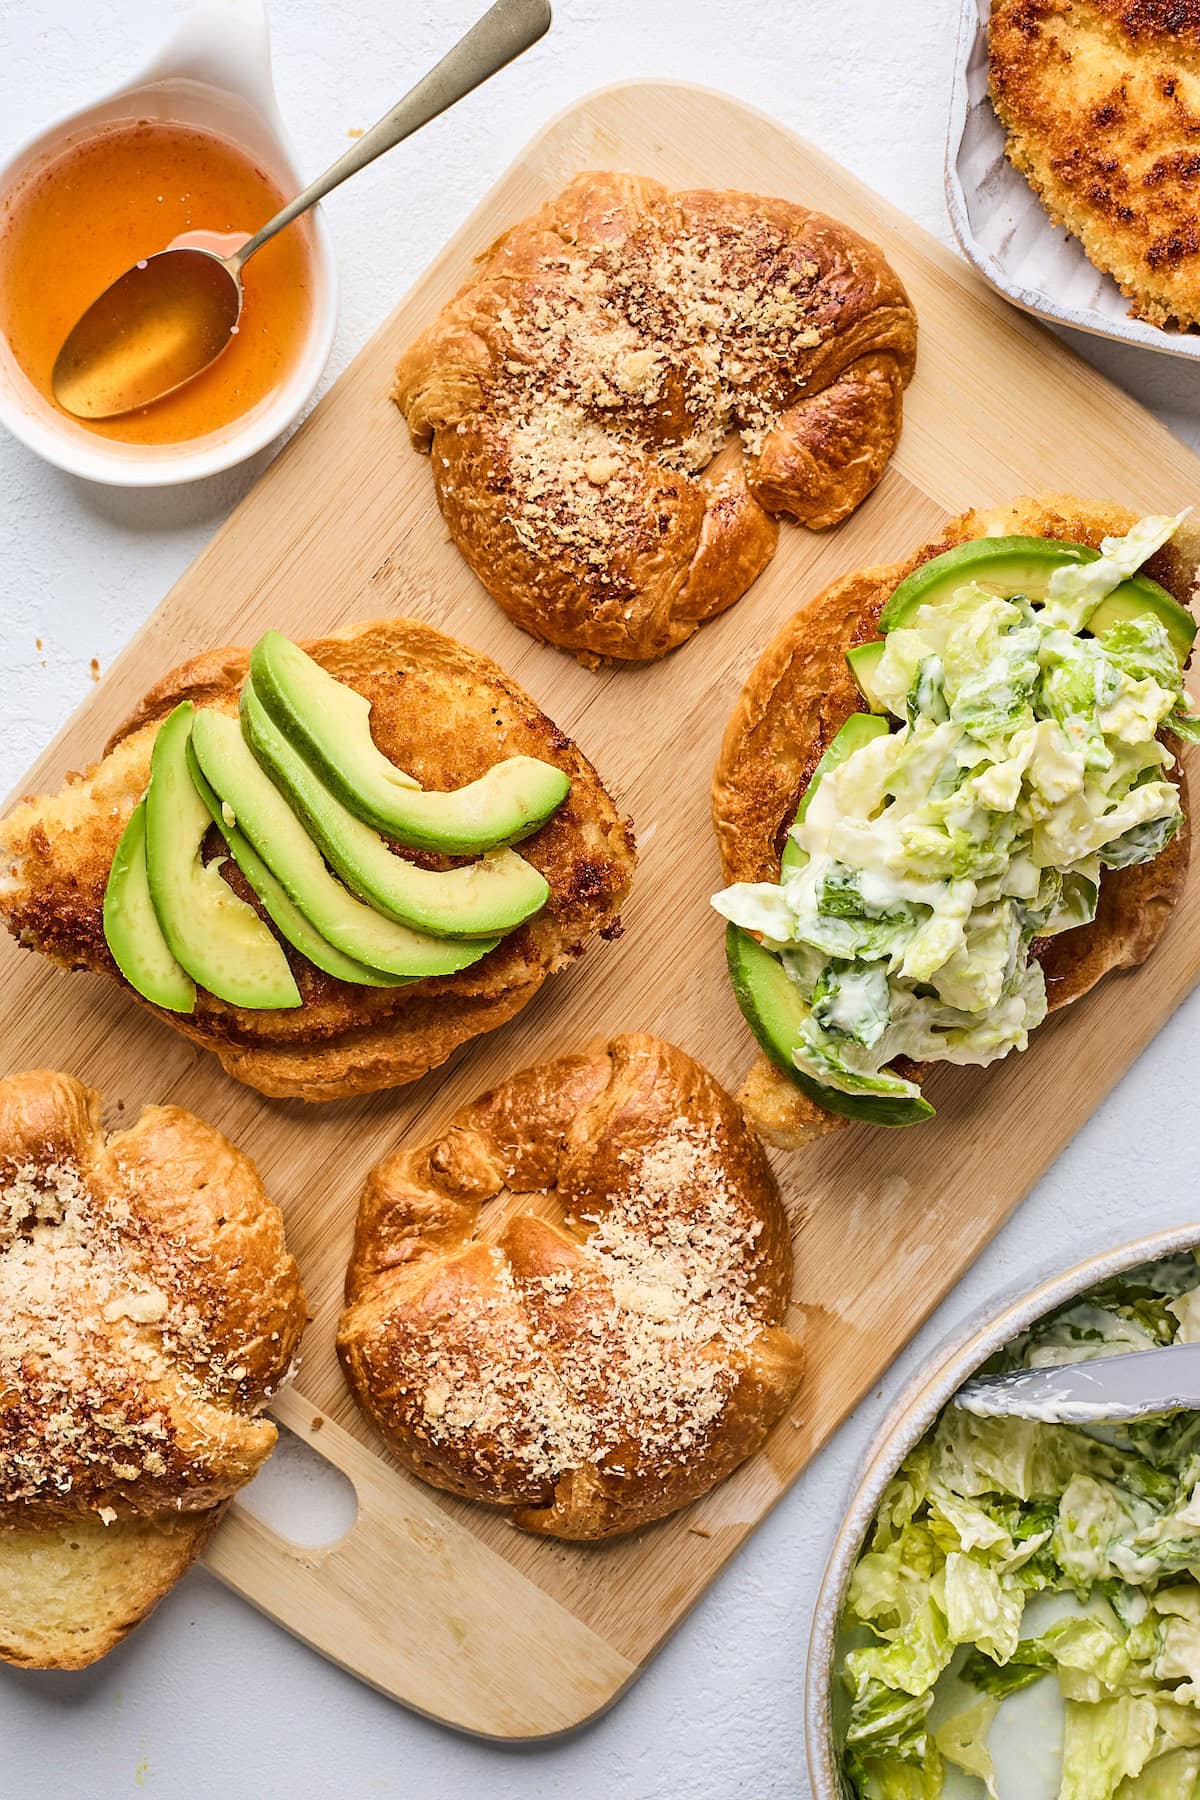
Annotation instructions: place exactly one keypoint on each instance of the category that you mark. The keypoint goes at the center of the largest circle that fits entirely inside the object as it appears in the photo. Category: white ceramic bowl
(215, 73)
(911, 1417)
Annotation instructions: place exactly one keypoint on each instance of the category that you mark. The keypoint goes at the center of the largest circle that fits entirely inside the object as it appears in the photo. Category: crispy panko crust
(524, 1332)
(148, 1309)
(1100, 100)
(800, 693)
(441, 710)
(576, 391)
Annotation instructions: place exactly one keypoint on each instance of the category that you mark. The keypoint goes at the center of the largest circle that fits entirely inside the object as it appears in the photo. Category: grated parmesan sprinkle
(627, 1359)
(89, 1345)
(656, 342)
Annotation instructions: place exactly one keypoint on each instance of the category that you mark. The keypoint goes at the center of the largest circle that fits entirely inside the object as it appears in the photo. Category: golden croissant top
(578, 394)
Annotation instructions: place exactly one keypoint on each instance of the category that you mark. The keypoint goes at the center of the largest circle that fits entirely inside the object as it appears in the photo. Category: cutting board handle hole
(301, 1495)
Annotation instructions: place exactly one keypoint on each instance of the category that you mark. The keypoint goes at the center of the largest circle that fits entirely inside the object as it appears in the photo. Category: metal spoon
(163, 321)
(1104, 1389)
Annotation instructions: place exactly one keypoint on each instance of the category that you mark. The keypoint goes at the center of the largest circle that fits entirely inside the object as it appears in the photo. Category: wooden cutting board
(442, 1604)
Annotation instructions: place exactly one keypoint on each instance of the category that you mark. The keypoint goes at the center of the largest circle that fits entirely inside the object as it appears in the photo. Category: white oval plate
(1004, 229)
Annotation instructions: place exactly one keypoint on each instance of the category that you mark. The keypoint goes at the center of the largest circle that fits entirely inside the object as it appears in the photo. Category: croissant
(443, 711)
(801, 691)
(148, 1308)
(595, 1370)
(578, 392)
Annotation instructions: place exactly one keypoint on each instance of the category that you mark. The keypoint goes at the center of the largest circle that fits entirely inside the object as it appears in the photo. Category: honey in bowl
(128, 191)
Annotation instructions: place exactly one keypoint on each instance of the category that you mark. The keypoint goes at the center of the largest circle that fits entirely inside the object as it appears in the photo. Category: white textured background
(209, 1701)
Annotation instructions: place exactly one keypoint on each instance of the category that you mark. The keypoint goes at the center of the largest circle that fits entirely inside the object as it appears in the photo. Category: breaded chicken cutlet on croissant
(446, 714)
(800, 694)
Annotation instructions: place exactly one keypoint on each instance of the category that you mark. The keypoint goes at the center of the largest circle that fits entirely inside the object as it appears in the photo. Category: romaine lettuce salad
(1009, 1556)
(925, 863)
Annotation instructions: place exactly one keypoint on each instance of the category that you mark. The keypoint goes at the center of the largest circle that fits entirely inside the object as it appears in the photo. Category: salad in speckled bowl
(1021, 1617)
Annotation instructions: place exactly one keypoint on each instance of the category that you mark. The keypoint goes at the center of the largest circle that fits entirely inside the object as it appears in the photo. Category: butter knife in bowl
(1103, 1390)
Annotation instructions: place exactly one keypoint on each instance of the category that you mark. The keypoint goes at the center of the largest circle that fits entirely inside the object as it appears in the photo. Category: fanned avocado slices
(132, 930)
(214, 935)
(329, 724)
(269, 828)
(302, 935)
(479, 899)
(299, 785)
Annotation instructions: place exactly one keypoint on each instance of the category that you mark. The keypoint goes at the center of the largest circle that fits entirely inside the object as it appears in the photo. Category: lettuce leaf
(1142, 650)
(1184, 724)
(980, 1609)
(1175, 1776)
(962, 1740)
(1105, 1743)
(1028, 1663)
(885, 1778)
(1076, 589)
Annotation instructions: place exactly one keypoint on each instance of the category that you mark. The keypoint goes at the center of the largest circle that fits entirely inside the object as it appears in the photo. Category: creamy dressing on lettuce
(1026, 762)
(1008, 1553)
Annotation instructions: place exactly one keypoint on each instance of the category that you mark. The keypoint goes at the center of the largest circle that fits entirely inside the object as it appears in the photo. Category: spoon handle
(506, 30)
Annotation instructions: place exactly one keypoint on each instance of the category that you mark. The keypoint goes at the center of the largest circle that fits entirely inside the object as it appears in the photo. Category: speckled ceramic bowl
(915, 1411)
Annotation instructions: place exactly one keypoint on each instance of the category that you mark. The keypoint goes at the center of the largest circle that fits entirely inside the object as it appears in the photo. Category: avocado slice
(858, 730)
(132, 930)
(1131, 601)
(220, 941)
(864, 660)
(290, 920)
(480, 899)
(270, 830)
(1024, 565)
(774, 1010)
(328, 723)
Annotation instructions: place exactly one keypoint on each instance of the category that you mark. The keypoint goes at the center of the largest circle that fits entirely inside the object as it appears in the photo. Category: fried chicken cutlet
(441, 710)
(1100, 100)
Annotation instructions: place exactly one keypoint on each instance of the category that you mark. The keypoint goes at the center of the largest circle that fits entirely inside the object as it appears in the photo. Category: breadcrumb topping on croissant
(578, 396)
(602, 1360)
(148, 1308)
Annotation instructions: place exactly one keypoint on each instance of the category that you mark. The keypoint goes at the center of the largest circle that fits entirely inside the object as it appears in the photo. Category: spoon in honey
(166, 319)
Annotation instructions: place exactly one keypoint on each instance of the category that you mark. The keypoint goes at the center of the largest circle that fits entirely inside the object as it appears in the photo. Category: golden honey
(134, 188)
